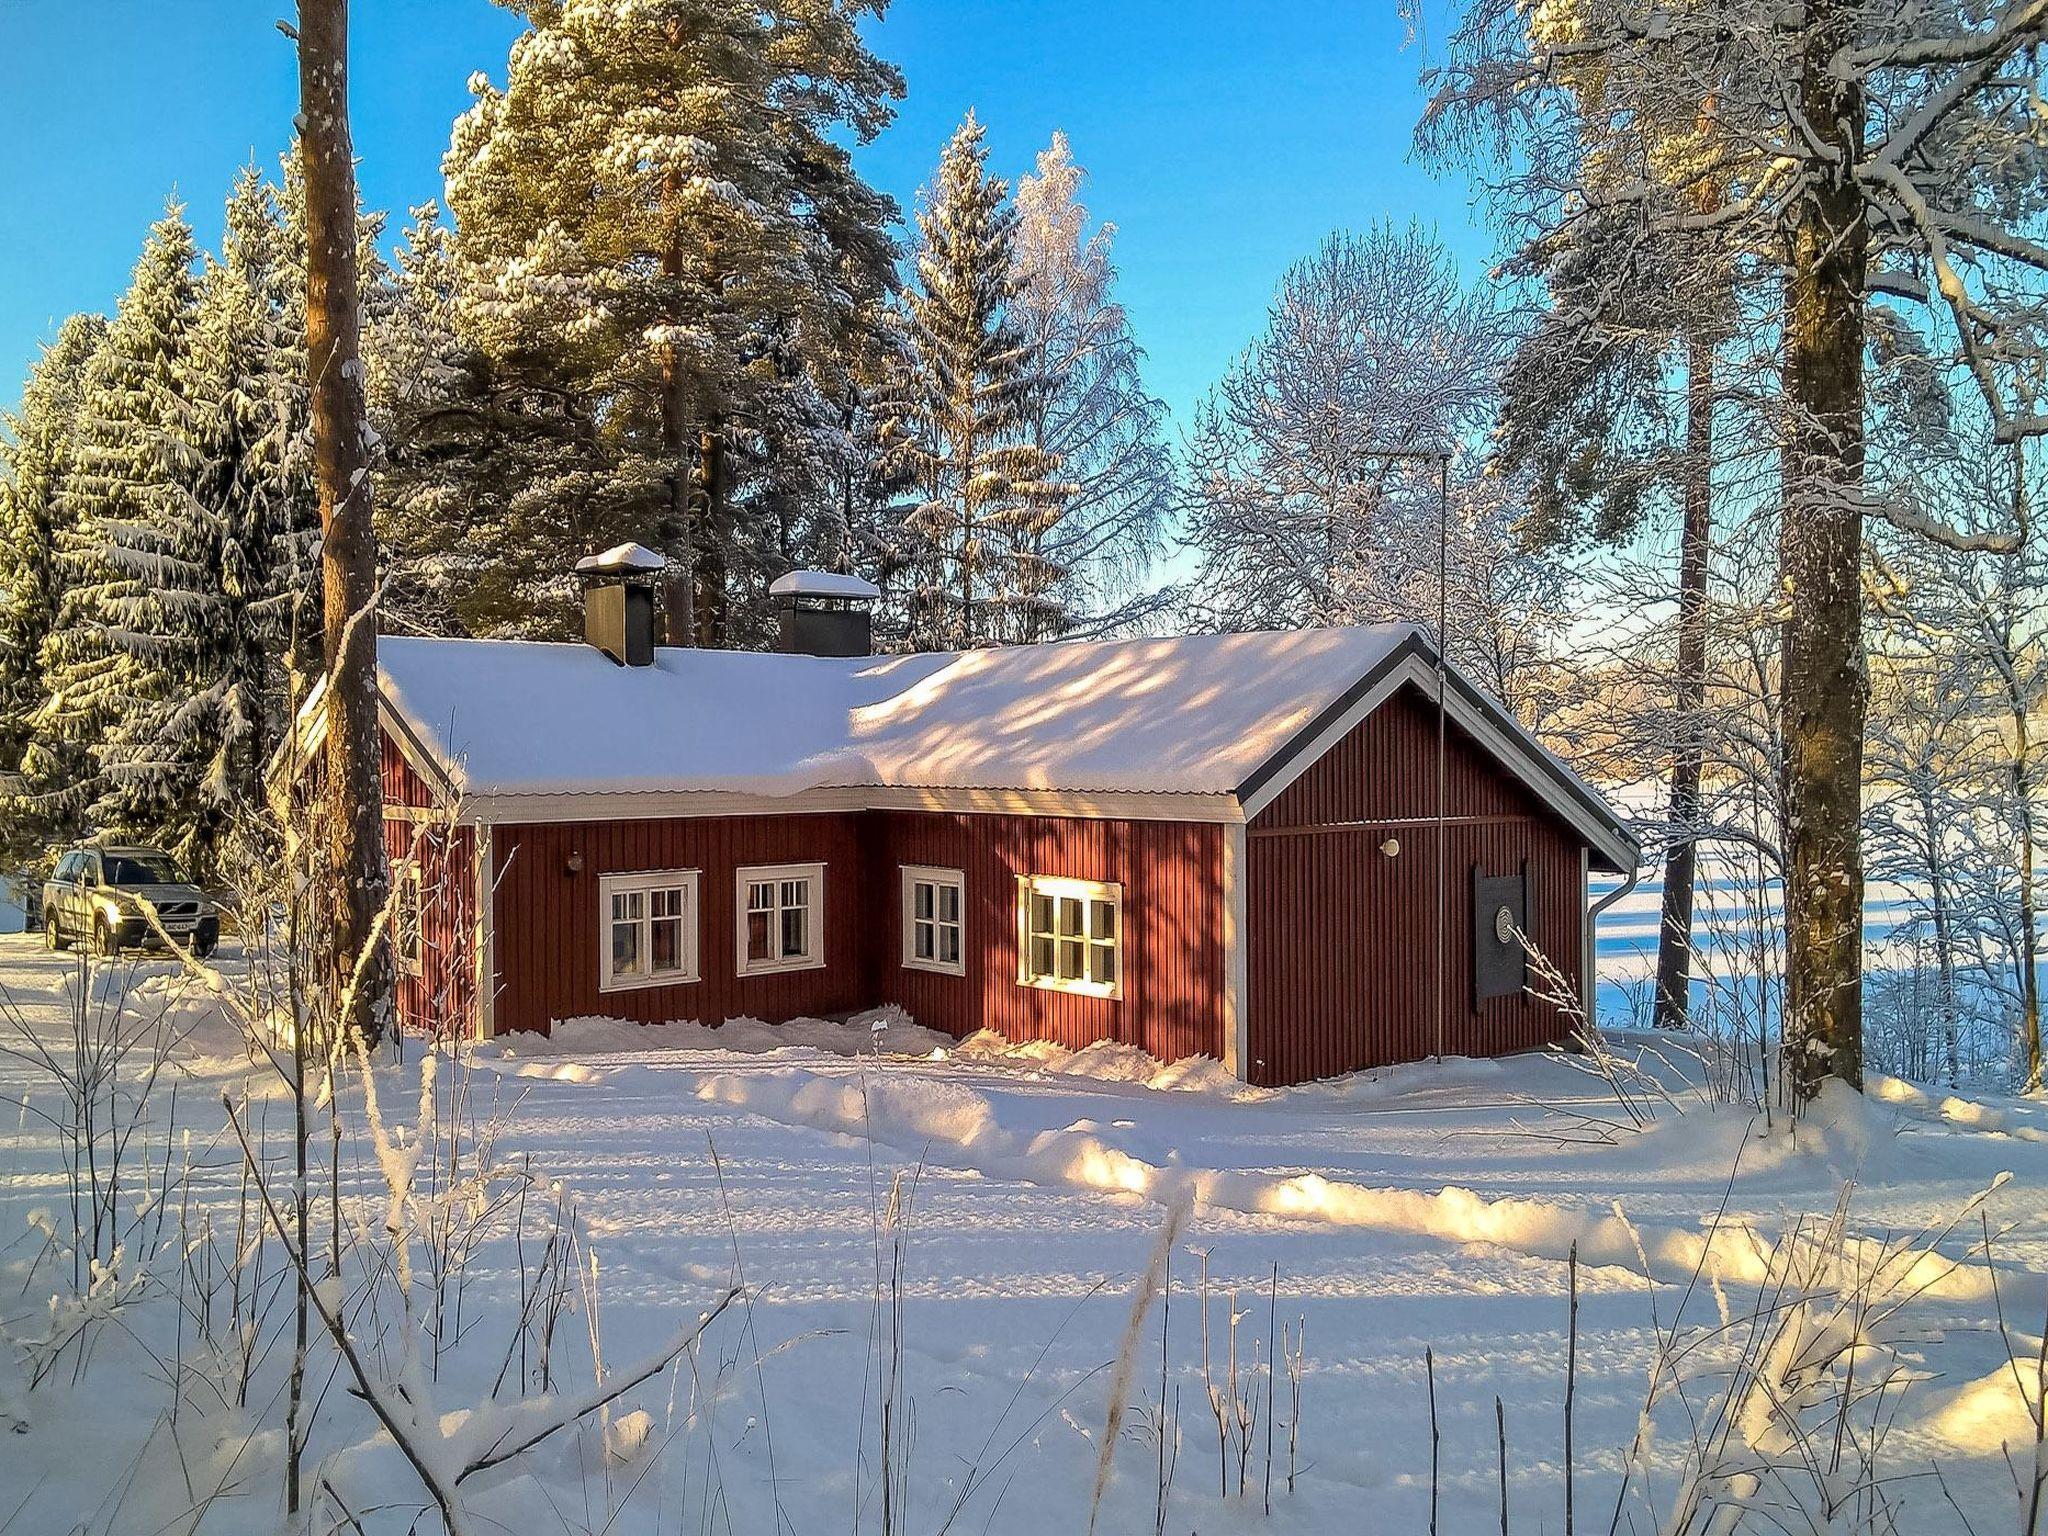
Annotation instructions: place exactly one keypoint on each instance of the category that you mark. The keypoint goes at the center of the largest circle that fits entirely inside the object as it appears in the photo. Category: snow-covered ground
(1429, 1208)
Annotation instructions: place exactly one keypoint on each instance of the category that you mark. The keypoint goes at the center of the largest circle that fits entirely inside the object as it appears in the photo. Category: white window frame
(936, 877)
(646, 882)
(409, 920)
(1060, 887)
(813, 959)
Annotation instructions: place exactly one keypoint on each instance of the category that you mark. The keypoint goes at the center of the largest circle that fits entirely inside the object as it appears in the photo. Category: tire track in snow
(957, 1126)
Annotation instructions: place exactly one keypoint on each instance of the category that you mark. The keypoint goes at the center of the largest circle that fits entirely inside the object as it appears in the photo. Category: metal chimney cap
(621, 560)
(823, 584)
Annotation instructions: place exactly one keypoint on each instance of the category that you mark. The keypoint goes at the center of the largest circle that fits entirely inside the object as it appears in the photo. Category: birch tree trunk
(1681, 861)
(356, 879)
(1825, 684)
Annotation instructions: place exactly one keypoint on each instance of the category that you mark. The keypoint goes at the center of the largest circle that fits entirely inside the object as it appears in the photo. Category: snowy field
(1019, 1197)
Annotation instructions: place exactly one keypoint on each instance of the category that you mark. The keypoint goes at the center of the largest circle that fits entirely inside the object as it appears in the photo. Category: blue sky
(1223, 137)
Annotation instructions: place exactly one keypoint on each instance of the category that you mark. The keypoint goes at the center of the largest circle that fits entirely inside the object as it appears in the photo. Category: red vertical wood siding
(548, 930)
(402, 785)
(1340, 938)
(1341, 955)
(1172, 878)
(440, 998)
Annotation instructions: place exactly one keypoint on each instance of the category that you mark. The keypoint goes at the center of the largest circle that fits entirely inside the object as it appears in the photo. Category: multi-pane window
(934, 922)
(781, 908)
(406, 919)
(649, 929)
(1070, 935)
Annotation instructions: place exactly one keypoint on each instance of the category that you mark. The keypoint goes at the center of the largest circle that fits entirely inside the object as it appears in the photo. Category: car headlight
(116, 907)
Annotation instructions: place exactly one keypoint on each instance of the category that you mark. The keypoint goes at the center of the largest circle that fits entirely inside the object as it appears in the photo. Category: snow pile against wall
(1110, 1061)
(885, 1031)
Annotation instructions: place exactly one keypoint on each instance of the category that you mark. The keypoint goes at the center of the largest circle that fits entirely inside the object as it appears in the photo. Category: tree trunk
(1825, 683)
(2030, 953)
(678, 533)
(356, 879)
(1945, 962)
(969, 552)
(1681, 860)
(709, 599)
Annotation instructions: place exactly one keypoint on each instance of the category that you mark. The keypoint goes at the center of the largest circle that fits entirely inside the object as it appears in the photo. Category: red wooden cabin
(1215, 844)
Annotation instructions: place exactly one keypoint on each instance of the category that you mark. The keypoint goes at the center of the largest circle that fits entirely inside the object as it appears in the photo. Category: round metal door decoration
(1504, 924)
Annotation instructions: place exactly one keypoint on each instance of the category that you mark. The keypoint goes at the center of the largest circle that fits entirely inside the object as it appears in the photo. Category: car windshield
(140, 869)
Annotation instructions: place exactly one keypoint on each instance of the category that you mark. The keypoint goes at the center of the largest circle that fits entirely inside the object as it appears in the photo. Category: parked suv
(99, 894)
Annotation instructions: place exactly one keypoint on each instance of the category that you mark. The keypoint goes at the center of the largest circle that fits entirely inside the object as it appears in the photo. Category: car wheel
(203, 946)
(106, 940)
(53, 933)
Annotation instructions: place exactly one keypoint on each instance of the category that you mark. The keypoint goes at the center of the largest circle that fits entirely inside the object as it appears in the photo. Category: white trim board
(1236, 970)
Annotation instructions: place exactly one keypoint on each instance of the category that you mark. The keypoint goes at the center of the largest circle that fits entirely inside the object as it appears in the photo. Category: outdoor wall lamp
(574, 863)
(1391, 847)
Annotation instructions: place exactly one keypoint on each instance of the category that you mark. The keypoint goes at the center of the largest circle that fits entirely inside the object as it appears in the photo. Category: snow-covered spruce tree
(136, 469)
(861, 524)
(1298, 518)
(1863, 158)
(496, 470)
(990, 495)
(661, 203)
(231, 567)
(1091, 412)
(37, 453)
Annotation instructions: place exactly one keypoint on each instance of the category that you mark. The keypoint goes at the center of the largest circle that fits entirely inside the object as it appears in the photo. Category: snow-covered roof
(621, 557)
(1195, 715)
(821, 584)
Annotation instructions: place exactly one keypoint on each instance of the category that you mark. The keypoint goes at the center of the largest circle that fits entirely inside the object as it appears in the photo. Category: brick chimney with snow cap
(618, 602)
(823, 613)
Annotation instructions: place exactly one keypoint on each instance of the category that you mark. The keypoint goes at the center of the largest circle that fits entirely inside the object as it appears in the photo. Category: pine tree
(231, 567)
(1091, 411)
(354, 875)
(964, 405)
(38, 451)
(658, 205)
(135, 470)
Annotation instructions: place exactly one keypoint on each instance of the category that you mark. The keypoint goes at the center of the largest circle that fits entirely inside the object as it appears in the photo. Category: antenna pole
(1441, 457)
(1443, 646)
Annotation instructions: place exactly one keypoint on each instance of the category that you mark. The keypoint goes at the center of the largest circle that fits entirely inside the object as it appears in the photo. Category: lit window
(406, 920)
(934, 903)
(648, 929)
(1070, 935)
(781, 909)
